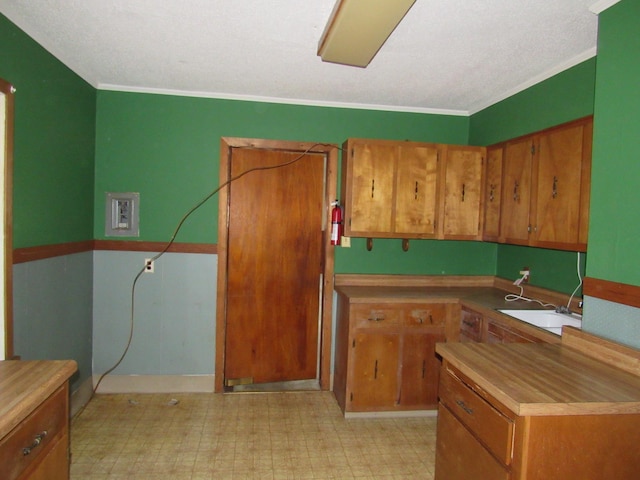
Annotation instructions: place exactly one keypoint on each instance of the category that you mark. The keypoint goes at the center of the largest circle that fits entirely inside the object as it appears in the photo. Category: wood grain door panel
(416, 190)
(516, 193)
(463, 190)
(274, 266)
(373, 174)
(375, 371)
(559, 184)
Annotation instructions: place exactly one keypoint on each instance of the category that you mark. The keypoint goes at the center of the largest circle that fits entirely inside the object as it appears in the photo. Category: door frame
(6, 222)
(227, 144)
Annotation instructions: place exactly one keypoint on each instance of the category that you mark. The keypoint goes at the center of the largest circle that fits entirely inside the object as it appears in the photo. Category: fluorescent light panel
(357, 29)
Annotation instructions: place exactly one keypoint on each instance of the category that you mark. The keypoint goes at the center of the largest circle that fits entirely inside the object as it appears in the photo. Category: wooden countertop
(26, 384)
(486, 300)
(482, 297)
(545, 379)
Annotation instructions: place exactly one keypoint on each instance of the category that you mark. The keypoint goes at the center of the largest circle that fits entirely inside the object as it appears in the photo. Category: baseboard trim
(393, 414)
(81, 396)
(156, 384)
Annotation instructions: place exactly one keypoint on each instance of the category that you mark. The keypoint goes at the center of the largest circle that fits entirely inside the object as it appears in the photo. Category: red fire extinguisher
(336, 223)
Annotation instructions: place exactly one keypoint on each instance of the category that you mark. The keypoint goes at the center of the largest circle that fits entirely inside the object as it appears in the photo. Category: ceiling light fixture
(358, 28)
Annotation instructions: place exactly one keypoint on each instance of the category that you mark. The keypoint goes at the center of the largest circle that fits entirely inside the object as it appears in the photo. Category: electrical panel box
(122, 214)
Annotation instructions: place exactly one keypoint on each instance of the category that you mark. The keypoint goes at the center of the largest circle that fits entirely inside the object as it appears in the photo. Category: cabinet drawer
(376, 315)
(459, 455)
(426, 315)
(28, 441)
(470, 326)
(492, 428)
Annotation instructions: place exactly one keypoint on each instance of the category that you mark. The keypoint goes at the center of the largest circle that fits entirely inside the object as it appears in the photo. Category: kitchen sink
(547, 319)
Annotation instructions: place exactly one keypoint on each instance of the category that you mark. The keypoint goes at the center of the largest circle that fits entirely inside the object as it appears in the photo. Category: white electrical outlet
(149, 265)
(345, 242)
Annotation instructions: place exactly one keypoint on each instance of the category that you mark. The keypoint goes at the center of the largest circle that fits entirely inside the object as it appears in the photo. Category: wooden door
(493, 194)
(516, 192)
(557, 206)
(374, 372)
(416, 191)
(274, 255)
(370, 187)
(463, 193)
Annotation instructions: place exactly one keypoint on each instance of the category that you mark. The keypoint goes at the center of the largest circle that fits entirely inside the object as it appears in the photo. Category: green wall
(614, 231)
(54, 144)
(561, 98)
(53, 181)
(167, 148)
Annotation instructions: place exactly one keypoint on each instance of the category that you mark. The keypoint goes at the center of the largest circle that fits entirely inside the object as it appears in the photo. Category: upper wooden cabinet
(394, 189)
(390, 188)
(545, 187)
(463, 184)
(492, 193)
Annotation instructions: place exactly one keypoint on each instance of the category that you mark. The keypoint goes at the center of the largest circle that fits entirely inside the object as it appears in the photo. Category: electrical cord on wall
(511, 297)
(172, 240)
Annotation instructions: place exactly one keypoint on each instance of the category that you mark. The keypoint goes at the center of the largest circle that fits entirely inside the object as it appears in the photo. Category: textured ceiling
(449, 56)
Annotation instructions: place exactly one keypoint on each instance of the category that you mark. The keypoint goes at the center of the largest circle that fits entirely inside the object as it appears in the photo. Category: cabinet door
(420, 369)
(374, 372)
(556, 211)
(493, 194)
(463, 192)
(416, 190)
(516, 192)
(369, 185)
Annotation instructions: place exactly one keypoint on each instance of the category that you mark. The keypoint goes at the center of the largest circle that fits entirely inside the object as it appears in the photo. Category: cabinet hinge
(353, 345)
(351, 397)
(352, 152)
(533, 149)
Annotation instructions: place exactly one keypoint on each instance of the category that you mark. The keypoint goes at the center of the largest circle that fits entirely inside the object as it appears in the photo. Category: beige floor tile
(272, 436)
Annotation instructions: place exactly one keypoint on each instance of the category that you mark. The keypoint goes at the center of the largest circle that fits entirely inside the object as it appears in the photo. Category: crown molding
(601, 5)
(288, 101)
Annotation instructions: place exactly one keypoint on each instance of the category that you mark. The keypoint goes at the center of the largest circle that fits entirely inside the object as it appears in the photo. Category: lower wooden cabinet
(385, 355)
(476, 327)
(38, 447)
(481, 438)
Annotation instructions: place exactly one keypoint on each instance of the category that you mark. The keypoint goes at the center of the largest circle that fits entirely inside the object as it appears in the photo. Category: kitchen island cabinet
(34, 419)
(538, 411)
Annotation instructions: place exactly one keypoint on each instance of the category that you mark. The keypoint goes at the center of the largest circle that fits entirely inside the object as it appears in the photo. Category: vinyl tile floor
(285, 435)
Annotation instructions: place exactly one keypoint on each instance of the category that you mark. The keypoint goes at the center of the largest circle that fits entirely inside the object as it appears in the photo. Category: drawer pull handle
(469, 323)
(36, 441)
(375, 319)
(463, 406)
